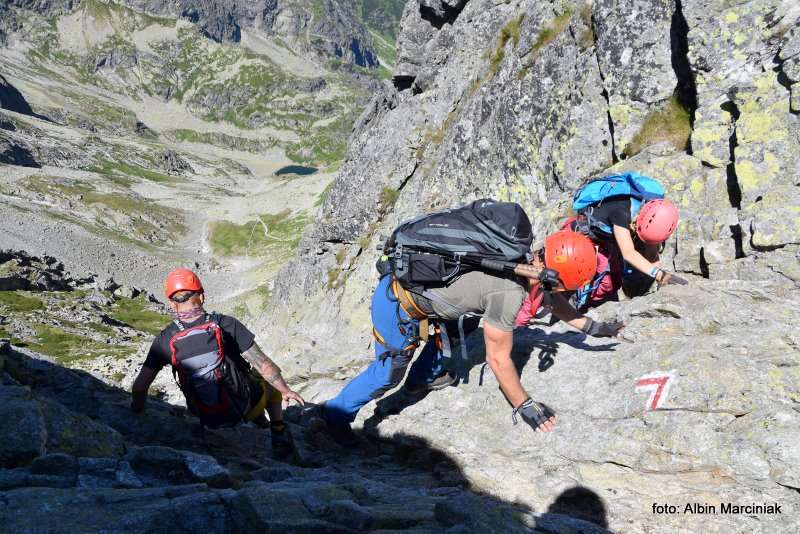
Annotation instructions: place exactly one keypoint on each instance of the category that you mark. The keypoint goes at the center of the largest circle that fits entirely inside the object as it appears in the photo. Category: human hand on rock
(667, 278)
(536, 414)
(292, 395)
(599, 329)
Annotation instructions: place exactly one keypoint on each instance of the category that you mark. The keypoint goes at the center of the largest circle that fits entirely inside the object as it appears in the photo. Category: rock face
(326, 27)
(167, 478)
(12, 100)
(523, 101)
(15, 153)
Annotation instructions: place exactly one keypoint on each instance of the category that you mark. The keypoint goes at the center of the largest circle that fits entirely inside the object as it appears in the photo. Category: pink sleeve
(525, 313)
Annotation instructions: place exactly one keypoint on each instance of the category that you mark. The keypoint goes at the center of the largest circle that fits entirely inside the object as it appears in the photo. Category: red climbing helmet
(181, 279)
(574, 257)
(656, 221)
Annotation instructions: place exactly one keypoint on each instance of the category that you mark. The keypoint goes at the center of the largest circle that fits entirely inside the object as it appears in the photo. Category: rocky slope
(518, 100)
(139, 135)
(77, 459)
(524, 100)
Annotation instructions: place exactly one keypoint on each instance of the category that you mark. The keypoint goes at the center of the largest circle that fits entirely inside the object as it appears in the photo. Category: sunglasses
(180, 299)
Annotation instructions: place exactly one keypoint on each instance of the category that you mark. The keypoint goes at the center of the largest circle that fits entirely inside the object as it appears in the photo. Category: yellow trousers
(269, 395)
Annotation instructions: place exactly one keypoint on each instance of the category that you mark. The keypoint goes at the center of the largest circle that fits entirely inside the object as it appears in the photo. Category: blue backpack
(637, 187)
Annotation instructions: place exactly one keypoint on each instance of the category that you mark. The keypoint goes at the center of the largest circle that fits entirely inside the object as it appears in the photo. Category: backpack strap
(406, 302)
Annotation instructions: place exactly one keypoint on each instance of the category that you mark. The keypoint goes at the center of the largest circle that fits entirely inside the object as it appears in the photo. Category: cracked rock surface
(523, 101)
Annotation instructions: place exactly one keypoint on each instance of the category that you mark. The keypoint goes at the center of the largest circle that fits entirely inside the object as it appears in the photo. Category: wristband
(587, 326)
(654, 271)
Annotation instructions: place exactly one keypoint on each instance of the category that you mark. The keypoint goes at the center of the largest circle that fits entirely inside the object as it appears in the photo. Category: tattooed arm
(271, 372)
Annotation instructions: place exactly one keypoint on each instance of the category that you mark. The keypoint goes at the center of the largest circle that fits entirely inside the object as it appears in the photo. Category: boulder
(173, 163)
(15, 153)
(23, 425)
(107, 473)
(184, 508)
(55, 464)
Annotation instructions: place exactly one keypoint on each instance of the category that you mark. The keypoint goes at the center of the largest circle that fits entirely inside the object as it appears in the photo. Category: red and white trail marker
(658, 384)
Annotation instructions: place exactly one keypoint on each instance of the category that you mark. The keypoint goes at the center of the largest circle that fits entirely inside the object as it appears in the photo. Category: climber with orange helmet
(628, 219)
(430, 271)
(223, 374)
(575, 259)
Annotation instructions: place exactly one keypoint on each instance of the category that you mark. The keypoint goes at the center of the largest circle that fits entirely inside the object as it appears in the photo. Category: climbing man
(221, 370)
(628, 219)
(444, 266)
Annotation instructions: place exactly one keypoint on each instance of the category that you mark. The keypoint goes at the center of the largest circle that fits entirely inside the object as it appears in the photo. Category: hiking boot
(341, 434)
(440, 382)
(282, 443)
(261, 421)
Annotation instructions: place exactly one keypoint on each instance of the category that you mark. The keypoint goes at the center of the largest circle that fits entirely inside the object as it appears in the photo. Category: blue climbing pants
(396, 340)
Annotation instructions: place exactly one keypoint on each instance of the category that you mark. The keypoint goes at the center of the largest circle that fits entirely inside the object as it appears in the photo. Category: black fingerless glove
(598, 329)
(672, 279)
(532, 412)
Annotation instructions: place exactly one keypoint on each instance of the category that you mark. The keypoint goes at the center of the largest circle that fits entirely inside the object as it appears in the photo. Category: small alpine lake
(296, 169)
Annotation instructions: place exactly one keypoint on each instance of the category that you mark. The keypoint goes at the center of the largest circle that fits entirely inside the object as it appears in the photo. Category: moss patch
(116, 168)
(586, 38)
(67, 347)
(324, 145)
(274, 235)
(509, 32)
(549, 33)
(251, 304)
(670, 123)
(135, 313)
(387, 198)
(56, 342)
(19, 302)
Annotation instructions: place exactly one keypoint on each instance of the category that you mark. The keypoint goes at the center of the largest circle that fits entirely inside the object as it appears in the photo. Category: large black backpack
(217, 390)
(432, 249)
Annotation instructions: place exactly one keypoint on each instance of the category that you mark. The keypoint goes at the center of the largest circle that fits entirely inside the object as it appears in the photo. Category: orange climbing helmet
(656, 221)
(181, 279)
(574, 257)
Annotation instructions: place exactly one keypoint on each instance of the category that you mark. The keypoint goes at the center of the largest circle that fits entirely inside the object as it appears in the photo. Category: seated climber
(627, 218)
(221, 370)
(420, 282)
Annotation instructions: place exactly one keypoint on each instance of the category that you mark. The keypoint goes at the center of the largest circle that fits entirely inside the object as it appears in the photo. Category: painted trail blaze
(658, 385)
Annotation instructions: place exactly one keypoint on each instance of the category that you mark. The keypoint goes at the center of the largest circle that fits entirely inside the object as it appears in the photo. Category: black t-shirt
(614, 212)
(236, 339)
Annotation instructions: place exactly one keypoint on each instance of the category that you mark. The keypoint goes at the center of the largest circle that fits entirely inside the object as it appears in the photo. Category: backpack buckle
(398, 257)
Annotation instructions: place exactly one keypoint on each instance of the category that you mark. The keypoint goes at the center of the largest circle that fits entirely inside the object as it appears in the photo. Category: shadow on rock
(472, 353)
(579, 503)
(12, 100)
(74, 446)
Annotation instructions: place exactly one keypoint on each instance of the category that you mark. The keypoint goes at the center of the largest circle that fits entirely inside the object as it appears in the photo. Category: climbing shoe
(282, 443)
(341, 433)
(440, 382)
